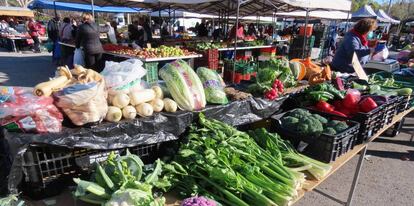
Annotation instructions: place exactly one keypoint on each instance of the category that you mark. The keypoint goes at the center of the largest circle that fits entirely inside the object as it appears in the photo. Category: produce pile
(122, 181)
(302, 122)
(148, 53)
(273, 78)
(228, 165)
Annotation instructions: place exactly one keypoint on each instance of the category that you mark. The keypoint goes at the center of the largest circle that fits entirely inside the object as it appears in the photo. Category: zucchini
(92, 199)
(91, 187)
(104, 176)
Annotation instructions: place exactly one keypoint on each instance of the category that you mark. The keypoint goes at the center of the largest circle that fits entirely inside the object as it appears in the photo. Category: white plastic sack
(111, 35)
(382, 55)
(79, 57)
(123, 76)
(83, 103)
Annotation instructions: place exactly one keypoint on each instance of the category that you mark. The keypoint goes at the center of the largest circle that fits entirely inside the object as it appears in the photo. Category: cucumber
(404, 91)
(105, 177)
(92, 188)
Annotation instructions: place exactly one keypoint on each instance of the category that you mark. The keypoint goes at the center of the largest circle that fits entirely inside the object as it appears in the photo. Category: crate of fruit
(209, 59)
(48, 169)
(321, 136)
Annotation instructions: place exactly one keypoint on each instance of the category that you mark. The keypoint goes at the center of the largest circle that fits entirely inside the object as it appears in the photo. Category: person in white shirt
(4, 25)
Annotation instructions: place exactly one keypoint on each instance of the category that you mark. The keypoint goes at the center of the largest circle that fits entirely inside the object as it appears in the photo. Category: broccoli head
(329, 131)
(289, 121)
(339, 126)
(299, 113)
(323, 120)
(310, 126)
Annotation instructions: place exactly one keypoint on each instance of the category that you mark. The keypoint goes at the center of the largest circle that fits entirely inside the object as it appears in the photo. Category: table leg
(14, 45)
(356, 175)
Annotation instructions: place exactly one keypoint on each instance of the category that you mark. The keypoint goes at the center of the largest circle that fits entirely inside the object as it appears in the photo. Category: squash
(144, 110)
(327, 73)
(316, 78)
(120, 100)
(114, 114)
(311, 68)
(298, 70)
(129, 112)
(170, 105)
(158, 92)
(157, 105)
(142, 96)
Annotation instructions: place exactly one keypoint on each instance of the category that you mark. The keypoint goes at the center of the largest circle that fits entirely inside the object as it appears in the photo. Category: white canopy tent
(337, 5)
(380, 13)
(316, 14)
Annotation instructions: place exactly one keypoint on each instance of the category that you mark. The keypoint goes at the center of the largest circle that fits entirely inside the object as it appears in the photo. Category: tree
(356, 4)
(23, 3)
(403, 9)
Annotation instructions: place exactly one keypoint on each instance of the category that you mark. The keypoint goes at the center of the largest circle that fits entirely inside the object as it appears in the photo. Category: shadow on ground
(25, 70)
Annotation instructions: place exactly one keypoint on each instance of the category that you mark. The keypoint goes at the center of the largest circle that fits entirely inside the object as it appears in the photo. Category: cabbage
(184, 85)
(134, 197)
(213, 86)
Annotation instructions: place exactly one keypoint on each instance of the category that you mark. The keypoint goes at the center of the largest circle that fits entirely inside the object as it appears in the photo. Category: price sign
(358, 68)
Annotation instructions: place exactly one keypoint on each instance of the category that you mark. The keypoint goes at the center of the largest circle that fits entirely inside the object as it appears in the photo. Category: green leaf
(153, 177)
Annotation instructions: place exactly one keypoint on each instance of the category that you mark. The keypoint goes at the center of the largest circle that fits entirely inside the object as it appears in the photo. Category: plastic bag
(184, 85)
(25, 112)
(6, 93)
(111, 35)
(83, 103)
(79, 57)
(123, 77)
(213, 86)
(382, 53)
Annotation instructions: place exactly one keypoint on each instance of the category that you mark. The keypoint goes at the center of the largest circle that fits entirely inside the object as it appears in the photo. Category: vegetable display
(227, 165)
(122, 181)
(184, 85)
(291, 158)
(198, 201)
(213, 86)
(273, 78)
(303, 122)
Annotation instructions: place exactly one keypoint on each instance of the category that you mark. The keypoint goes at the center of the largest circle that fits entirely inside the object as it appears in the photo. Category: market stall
(271, 131)
(15, 38)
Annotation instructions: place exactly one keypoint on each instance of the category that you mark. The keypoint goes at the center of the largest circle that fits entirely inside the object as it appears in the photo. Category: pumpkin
(311, 68)
(327, 73)
(298, 70)
(316, 78)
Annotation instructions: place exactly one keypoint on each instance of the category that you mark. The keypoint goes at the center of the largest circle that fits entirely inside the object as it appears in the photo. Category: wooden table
(309, 185)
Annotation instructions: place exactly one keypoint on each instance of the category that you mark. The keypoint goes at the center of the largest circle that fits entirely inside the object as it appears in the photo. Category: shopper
(12, 23)
(53, 34)
(66, 36)
(147, 31)
(3, 25)
(202, 29)
(251, 31)
(355, 41)
(87, 37)
(34, 28)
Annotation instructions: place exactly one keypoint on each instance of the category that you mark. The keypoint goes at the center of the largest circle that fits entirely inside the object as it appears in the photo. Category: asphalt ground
(386, 179)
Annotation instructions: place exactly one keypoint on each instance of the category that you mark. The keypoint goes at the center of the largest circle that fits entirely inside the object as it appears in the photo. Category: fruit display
(148, 53)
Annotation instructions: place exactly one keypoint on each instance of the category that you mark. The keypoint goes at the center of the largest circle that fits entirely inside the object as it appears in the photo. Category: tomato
(367, 105)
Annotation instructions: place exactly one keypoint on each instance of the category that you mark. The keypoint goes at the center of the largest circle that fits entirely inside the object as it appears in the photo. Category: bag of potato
(83, 102)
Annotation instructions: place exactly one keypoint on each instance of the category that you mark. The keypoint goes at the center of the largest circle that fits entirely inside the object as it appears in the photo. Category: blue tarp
(48, 4)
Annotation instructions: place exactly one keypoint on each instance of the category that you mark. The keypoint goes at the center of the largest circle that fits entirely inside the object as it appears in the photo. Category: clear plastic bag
(25, 112)
(123, 76)
(83, 103)
(79, 57)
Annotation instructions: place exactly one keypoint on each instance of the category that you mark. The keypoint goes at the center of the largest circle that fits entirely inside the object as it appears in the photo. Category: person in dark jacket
(354, 41)
(87, 37)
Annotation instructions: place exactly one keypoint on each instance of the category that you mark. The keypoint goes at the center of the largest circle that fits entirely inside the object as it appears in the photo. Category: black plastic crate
(391, 108)
(48, 169)
(370, 123)
(325, 148)
(404, 103)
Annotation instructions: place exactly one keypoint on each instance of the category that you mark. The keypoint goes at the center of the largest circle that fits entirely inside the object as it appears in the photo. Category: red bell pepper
(324, 106)
(367, 105)
(350, 101)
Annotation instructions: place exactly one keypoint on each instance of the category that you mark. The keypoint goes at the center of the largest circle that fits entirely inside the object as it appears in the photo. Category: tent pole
(235, 38)
(305, 34)
(54, 8)
(347, 22)
(93, 9)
